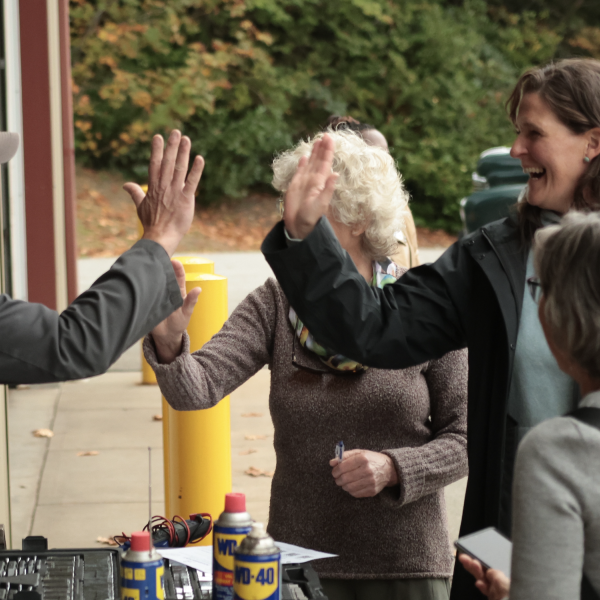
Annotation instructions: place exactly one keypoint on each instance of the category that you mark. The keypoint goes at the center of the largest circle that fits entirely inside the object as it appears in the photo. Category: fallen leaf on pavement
(88, 453)
(107, 541)
(47, 433)
(255, 436)
(256, 472)
(157, 418)
(246, 452)
(252, 414)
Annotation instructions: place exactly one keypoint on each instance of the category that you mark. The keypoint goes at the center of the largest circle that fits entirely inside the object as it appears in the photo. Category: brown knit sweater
(417, 416)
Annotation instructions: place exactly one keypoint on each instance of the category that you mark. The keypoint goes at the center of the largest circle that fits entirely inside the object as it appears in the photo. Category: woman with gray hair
(556, 494)
(381, 509)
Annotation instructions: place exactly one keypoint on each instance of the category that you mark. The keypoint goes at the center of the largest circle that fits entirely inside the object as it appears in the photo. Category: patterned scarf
(384, 272)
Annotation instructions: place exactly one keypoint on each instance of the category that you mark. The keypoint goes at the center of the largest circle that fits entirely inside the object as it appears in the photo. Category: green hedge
(246, 79)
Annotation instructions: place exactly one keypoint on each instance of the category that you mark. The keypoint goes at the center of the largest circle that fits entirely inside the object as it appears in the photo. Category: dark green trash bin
(497, 185)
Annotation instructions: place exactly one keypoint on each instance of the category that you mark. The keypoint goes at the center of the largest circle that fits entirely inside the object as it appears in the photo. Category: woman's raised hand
(309, 193)
(168, 334)
(364, 473)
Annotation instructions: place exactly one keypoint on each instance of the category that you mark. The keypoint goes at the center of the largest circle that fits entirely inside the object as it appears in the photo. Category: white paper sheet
(196, 557)
(296, 554)
(200, 557)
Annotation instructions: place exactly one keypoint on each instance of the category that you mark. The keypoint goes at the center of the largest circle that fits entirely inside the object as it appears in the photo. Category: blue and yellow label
(225, 541)
(256, 577)
(142, 581)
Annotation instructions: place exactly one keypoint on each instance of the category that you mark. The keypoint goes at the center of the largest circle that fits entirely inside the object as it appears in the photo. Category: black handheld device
(492, 549)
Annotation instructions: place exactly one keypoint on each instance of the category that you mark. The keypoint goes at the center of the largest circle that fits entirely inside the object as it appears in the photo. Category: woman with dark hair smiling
(473, 296)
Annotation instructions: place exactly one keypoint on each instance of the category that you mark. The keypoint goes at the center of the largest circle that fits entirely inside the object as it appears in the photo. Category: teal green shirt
(539, 390)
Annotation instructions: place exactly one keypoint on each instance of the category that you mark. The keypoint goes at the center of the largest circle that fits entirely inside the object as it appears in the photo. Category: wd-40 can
(229, 530)
(257, 567)
(142, 570)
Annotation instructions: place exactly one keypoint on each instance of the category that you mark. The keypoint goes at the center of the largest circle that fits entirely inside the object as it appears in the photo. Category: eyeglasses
(535, 288)
(280, 205)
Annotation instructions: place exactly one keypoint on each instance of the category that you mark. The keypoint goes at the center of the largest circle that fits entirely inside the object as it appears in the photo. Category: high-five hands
(168, 334)
(364, 473)
(167, 210)
(309, 193)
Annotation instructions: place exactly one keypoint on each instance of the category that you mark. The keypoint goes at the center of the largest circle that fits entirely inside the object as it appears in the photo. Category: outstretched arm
(242, 347)
(38, 345)
(419, 318)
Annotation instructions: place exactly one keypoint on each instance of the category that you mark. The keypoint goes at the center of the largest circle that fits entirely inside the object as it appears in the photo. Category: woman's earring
(586, 159)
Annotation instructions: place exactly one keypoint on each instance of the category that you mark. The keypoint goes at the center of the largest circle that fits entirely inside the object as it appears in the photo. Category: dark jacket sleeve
(38, 345)
(419, 318)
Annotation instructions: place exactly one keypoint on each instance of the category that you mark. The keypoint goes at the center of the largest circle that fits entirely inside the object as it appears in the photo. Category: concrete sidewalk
(73, 499)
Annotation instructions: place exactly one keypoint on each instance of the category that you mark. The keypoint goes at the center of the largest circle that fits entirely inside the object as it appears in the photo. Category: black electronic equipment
(93, 574)
(175, 533)
(89, 574)
(180, 533)
(300, 582)
(492, 549)
(181, 583)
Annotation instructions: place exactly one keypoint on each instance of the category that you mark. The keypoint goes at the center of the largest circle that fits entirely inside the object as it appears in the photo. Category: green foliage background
(245, 79)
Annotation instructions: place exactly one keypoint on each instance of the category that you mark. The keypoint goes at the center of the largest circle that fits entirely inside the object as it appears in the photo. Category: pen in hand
(339, 451)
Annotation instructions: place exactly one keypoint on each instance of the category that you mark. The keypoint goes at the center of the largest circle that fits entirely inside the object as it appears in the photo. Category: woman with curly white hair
(381, 509)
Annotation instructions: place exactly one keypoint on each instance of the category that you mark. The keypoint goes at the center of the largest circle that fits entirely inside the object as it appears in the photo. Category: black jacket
(471, 297)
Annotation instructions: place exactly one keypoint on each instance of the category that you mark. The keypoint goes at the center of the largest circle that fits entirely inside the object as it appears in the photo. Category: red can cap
(235, 502)
(140, 541)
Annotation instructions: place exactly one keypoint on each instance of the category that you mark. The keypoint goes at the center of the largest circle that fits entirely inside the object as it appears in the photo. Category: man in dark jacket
(140, 290)
(471, 297)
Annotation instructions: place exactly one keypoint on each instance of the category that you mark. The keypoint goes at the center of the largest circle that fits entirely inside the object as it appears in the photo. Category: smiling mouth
(534, 172)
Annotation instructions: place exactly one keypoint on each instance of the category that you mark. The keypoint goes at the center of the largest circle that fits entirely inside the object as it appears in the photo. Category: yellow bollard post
(191, 264)
(199, 442)
(166, 456)
(195, 264)
(148, 375)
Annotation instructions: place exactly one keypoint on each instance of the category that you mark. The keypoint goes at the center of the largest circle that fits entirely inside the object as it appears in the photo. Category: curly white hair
(368, 192)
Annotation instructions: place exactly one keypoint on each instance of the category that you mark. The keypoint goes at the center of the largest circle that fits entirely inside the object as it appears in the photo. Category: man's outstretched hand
(310, 191)
(167, 210)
